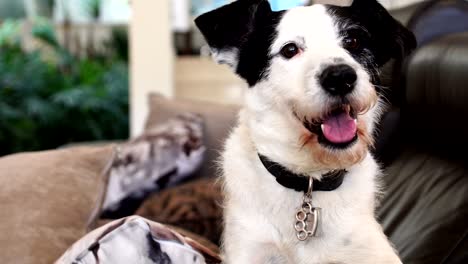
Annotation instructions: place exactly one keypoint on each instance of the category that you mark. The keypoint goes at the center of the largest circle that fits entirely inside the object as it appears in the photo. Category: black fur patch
(246, 26)
(381, 36)
(254, 56)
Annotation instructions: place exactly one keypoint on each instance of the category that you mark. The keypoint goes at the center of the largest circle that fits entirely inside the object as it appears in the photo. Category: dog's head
(312, 72)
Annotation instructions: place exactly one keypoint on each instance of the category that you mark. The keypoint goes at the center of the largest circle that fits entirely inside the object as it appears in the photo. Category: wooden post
(151, 57)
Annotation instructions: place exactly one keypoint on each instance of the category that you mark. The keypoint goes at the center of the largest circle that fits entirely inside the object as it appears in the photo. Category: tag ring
(309, 189)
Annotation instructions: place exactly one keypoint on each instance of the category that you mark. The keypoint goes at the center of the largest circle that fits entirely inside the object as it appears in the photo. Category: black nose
(338, 80)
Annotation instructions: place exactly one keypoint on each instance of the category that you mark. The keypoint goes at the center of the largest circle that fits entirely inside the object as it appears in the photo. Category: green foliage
(44, 31)
(45, 103)
(10, 32)
(92, 8)
(119, 43)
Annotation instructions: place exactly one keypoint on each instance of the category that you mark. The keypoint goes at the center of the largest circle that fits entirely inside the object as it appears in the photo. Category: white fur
(259, 215)
(226, 56)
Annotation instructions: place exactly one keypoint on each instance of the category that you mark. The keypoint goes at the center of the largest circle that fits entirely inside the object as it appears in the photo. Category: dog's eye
(351, 43)
(290, 50)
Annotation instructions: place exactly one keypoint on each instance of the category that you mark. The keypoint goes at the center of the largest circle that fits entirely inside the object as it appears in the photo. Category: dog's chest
(274, 225)
(336, 221)
(267, 212)
(259, 209)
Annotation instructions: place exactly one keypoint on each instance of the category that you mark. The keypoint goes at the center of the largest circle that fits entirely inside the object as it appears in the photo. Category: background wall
(151, 57)
(392, 4)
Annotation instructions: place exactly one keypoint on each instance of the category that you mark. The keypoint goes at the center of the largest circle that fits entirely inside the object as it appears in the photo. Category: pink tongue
(339, 128)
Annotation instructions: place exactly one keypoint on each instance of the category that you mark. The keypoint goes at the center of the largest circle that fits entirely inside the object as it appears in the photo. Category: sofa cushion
(425, 208)
(218, 118)
(137, 240)
(195, 207)
(47, 199)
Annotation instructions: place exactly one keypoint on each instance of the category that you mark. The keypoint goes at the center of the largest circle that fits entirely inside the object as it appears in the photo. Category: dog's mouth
(337, 129)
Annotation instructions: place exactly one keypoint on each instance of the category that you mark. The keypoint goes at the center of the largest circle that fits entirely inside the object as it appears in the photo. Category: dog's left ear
(228, 27)
(392, 38)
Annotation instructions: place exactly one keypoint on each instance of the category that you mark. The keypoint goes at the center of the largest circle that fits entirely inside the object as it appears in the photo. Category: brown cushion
(47, 199)
(195, 207)
(219, 119)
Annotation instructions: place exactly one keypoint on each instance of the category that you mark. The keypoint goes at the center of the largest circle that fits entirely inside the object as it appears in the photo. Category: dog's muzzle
(338, 80)
(337, 129)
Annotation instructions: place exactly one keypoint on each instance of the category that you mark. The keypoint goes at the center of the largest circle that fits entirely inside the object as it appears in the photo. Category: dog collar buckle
(307, 217)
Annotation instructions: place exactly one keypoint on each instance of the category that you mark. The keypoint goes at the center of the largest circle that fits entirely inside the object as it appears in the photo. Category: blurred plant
(93, 9)
(44, 31)
(45, 103)
(10, 33)
(118, 43)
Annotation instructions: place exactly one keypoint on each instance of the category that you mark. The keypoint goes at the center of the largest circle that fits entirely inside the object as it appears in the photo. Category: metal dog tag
(307, 218)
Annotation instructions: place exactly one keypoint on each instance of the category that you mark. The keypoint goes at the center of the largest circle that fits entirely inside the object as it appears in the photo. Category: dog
(300, 183)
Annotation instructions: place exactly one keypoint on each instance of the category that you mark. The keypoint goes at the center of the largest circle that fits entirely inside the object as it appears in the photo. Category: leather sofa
(423, 143)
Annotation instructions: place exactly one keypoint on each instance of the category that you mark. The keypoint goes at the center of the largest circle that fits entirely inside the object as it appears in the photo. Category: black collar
(330, 181)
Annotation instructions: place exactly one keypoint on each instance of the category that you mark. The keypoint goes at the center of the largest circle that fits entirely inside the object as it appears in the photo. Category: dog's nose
(338, 80)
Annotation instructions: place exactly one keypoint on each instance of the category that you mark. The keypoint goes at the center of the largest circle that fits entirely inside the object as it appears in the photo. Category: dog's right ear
(393, 39)
(228, 27)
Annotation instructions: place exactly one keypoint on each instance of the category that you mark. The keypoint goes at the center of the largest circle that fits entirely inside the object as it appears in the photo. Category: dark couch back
(425, 207)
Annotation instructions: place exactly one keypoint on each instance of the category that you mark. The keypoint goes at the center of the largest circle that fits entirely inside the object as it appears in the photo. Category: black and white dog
(300, 183)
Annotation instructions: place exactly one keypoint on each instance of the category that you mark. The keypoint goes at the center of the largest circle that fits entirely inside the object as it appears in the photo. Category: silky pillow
(137, 240)
(166, 154)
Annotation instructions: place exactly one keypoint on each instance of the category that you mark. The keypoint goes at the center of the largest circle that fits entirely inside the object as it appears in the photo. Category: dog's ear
(393, 39)
(228, 27)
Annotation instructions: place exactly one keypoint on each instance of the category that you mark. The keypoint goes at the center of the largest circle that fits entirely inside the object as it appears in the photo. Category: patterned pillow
(165, 155)
(137, 240)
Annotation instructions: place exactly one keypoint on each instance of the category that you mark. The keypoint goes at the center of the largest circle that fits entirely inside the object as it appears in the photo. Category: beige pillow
(218, 118)
(47, 199)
